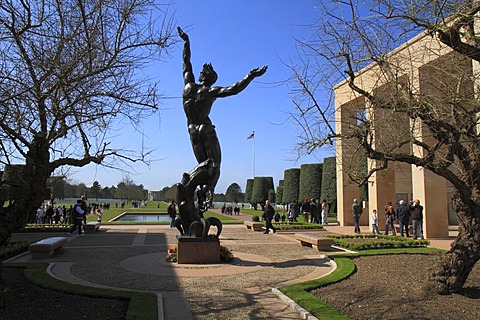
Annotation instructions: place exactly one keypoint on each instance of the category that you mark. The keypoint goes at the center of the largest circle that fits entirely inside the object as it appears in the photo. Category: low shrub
(296, 225)
(12, 249)
(370, 241)
(46, 228)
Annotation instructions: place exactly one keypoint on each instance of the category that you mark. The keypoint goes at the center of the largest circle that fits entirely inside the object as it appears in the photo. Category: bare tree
(348, 40)
(70, 71)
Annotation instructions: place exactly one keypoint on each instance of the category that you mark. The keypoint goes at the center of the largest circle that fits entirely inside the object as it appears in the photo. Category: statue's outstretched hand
(182, 34)
(257, 72)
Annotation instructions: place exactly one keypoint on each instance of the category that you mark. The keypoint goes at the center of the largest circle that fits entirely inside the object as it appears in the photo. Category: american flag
(250, 136)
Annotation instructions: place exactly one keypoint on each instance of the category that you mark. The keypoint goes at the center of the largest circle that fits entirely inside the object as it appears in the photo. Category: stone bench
(254, 225)
(45, 248)
(313, 240)
(91, 227)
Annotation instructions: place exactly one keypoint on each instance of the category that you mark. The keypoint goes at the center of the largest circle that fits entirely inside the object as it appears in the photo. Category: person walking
(389, 218)
(78, 214)
(172, 212)
(325, 209)
(403, 216)
(374, 221)
(315, 211)
(357, 211)
(417, 219)
(268, 214)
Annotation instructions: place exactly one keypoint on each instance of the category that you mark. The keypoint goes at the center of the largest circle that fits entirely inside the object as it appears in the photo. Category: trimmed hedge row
(12, 249)
(46, 228)
(291, 185)
(379, 242)
(310, 181)
(329, 183)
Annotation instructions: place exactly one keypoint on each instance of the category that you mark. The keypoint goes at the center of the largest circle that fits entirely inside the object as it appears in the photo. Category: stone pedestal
(198, 250)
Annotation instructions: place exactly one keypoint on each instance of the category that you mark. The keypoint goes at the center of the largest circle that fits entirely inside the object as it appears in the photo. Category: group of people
(230, 210)
(75, 215)
(51, 214)
(311, 210)
(403, 213)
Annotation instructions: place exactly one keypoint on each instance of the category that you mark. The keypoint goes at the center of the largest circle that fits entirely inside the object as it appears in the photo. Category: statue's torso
(197, 103)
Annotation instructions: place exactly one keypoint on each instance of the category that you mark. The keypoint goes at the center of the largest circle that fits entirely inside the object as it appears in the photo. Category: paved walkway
(132, 257)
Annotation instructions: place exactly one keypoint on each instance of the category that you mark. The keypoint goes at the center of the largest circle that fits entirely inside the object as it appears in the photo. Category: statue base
(198, 250)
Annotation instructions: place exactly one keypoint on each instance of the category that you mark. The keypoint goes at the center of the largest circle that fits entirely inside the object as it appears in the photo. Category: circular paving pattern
(155, 264)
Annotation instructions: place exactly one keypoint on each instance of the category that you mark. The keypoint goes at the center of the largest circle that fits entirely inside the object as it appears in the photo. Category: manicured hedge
(248, 191)
(310, 181)
(291, 184)
(376, 242)
(261, 189)
(12, 249)
(279, 194)
(46, 228)
(329, 183)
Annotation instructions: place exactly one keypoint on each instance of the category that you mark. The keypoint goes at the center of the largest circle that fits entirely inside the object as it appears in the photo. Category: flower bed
(366, 242)
(45, 228)
(226, 255)
(12, 249)
(296, 225)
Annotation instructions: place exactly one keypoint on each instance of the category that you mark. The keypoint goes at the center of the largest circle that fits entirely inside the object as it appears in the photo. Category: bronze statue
(197, 103)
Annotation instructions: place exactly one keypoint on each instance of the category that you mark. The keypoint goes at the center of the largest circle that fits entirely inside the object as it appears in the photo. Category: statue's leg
(198, 142)
(213, 152)
(178, 224)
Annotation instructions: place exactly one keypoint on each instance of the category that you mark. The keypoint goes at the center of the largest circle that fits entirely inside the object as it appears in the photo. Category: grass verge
(301, 292)
(142, 305)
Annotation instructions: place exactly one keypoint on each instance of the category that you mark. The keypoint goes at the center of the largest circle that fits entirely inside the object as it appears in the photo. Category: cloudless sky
(235, 36)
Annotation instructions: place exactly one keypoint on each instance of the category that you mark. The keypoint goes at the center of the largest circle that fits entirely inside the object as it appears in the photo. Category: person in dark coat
(357, 211)
(403, 216)
(417, 218)
(268, 214)
(306, 209)
(172, 213)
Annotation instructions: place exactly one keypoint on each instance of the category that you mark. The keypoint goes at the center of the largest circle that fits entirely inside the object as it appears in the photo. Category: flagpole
(254, 154)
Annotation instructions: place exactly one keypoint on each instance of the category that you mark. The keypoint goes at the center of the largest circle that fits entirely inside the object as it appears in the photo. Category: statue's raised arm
(187, 65)
(240, 85)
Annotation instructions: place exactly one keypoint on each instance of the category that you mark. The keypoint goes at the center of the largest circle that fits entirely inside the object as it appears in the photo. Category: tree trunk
(456, 265)
(28, 195)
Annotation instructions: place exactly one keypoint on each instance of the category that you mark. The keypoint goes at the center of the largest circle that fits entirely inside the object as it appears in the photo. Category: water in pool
(143, 218)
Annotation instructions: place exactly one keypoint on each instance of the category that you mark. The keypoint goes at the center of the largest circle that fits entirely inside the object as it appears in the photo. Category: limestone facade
(428, 67)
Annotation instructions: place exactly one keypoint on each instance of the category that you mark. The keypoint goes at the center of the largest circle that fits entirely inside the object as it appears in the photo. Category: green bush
(46, 228)
(329, 183)
(310, 181)
(291, 184)
(261, 189)
(12, 249)
(248, 191)
(279, 194)
(296, 225)
(376, 242)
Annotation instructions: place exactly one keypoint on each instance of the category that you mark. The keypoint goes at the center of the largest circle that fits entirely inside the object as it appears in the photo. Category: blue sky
(235, 36)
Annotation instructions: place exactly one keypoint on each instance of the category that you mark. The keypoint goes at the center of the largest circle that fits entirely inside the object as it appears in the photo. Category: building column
(431, 190)
(347, 190)
(381, 189)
